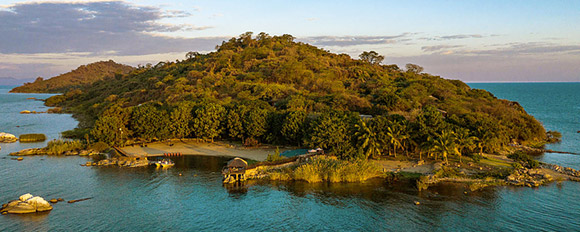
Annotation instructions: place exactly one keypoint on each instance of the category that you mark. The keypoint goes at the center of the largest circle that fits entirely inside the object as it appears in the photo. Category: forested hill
(83, 75)
(272, 89)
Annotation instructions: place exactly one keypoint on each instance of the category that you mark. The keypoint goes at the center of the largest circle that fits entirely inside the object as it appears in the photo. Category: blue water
(555, 105)
(146, 199)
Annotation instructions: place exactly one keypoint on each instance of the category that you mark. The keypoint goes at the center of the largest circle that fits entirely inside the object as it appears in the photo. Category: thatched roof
(238, 163)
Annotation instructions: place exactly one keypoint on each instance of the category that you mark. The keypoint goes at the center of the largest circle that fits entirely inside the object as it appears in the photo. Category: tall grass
(32, 138)
(58, 147)
(332, 170)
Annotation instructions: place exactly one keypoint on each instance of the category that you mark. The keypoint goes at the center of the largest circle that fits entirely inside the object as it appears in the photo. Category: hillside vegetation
(82, 76)
(271, 89)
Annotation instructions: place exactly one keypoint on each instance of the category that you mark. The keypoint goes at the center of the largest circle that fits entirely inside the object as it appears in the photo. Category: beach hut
(235, 170)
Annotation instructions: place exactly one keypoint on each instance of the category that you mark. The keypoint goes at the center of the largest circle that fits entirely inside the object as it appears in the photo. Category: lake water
(148, 199)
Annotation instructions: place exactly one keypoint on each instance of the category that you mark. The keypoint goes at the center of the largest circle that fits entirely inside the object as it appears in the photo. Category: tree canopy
(271, 89)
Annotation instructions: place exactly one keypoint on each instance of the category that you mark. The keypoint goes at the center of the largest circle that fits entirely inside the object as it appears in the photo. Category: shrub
(476, 157)
(422, 183)
(54, 110)
(553, 137)
(54, 100)
(58, 147)
(517, 166)
(500, 173)
(250, 142)
(275, 157)
(524, 159)
(99, 146)
(282, 175)
(75, 133)
(447, 172)
(32, 138)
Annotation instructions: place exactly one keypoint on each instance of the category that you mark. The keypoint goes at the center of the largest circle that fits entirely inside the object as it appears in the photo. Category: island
(370, 119)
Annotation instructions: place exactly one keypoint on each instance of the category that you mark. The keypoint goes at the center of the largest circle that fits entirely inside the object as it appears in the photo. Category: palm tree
(427, 146)
(444, 144)
(395, 136)
(484, 139)
(367, 136)
(464, 140)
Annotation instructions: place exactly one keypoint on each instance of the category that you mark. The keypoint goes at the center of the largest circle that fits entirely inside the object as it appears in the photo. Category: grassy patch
(332, 170)
(496, 173)
(409, 175)
(58, 147)
(32, 138)
(495, 162)
(99, 146)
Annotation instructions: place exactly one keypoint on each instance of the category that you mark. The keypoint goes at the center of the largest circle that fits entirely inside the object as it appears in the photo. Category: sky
(473, 41)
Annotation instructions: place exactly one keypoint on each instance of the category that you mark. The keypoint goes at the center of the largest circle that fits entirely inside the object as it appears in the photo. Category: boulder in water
(26, 204)
(25, 197)
(7, 138)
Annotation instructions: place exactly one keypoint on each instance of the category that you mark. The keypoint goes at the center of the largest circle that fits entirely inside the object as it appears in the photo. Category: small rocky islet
(7, 138)
(26, 203)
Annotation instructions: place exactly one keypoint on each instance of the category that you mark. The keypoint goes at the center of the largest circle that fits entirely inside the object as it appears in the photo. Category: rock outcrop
(121, 162)
(42, 151)
(28, 152)
(529, 178)
(26, 204)
(7, 138)
(572, 173)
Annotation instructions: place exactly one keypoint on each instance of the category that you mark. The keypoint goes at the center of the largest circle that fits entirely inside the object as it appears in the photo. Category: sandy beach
(192, 147)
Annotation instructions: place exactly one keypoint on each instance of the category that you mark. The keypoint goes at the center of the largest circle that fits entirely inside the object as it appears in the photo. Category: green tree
(293, 126)
(368, 139)
(181, 117)
(150, 123)
(396, 136)
(332, 131)
(207, 120)
(413, 68)
(255, 122)
(111, 126)
(371, 57)
(464, 141)
(234, 123)
(444, 144)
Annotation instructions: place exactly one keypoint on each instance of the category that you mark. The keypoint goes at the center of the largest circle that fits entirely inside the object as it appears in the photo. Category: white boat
(164, 163)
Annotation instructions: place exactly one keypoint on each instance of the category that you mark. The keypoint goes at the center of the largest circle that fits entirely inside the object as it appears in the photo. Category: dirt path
(405, 166)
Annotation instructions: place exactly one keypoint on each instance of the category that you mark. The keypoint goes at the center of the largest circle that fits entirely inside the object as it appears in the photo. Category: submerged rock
(26, 204)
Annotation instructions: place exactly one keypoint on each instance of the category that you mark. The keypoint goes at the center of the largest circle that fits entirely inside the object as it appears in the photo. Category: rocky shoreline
(43, 151)
(572, 173)
(131, 162)
(524, 177)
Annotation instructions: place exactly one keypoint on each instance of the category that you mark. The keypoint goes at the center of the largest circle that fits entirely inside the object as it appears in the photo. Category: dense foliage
(270, 89)
(324, 169)
(32, 138)
(82, 76)
(524, 159)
